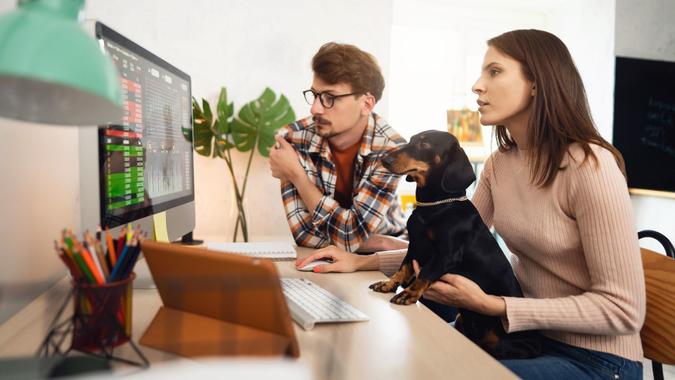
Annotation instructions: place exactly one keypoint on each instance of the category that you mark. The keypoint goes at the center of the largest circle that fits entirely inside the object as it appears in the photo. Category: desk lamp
(51, 71)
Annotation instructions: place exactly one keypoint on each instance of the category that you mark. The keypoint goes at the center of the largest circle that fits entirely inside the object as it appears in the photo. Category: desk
(399, 342)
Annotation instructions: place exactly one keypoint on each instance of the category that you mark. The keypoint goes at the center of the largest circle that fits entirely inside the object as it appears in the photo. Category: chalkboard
(644, 121)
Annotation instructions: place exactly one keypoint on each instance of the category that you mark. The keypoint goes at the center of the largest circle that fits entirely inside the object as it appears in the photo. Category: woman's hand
(342, 261)
(459, 291)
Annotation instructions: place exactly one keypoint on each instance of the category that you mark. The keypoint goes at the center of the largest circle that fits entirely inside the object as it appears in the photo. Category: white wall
(38, 197)
(646, 30)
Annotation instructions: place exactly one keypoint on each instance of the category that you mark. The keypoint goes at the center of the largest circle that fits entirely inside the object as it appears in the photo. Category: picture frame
(465, 125)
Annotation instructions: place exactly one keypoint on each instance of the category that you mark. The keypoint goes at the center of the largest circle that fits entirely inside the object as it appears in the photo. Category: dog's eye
(425, 145)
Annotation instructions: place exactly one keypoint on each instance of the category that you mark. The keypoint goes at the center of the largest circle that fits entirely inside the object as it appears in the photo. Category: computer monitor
(144, 166)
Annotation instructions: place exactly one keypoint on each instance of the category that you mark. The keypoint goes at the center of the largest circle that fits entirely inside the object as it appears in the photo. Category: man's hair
(561, 114)
(342, 63)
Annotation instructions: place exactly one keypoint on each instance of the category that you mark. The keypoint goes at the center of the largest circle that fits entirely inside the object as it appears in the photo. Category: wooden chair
(658, 331)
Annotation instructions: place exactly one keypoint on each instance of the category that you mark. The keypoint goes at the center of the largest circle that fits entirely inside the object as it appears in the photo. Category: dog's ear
(458, 173)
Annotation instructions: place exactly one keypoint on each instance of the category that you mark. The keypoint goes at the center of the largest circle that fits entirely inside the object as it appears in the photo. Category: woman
(555, 192)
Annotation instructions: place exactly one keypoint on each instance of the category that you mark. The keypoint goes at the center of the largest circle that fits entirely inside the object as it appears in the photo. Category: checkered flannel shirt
(375, 208)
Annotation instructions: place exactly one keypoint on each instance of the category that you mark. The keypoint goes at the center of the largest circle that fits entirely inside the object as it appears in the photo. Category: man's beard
(323, 127)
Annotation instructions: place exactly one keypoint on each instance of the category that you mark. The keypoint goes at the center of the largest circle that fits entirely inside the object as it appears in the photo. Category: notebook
(276, 250)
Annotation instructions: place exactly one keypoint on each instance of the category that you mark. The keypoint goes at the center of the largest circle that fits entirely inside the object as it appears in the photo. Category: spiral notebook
(265, 250)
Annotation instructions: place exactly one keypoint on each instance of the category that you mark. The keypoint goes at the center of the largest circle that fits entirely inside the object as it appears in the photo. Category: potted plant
(252, 129)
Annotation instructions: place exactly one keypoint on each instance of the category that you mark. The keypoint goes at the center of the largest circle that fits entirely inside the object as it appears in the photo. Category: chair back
(658, 331)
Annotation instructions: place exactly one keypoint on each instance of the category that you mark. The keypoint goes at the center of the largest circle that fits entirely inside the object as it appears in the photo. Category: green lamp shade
(51, 71)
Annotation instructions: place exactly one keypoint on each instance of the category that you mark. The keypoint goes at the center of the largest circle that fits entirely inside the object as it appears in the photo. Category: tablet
(215, 304)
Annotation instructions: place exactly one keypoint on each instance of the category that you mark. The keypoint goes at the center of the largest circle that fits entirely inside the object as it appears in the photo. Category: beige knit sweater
(575, 250)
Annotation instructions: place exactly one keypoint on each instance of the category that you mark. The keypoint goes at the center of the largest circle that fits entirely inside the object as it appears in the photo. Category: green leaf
(212, 135)
(266, 100)
(243, 133)
(202, 136)
(187, 133)
(208, 116)
(258, 120)
(225, 112)
(265, 142)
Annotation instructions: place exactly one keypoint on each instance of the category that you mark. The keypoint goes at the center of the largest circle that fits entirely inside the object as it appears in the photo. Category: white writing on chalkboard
(660, 115)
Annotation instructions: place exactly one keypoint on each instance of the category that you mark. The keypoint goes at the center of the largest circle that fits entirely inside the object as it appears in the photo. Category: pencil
(130, 233)
(121, 240)
(117, 271)
(72, 268)
(127, 314)
(83, 267)
(111, 247)
(95, 247)
(88, 259)
(91, 250)
(68, 241)
(135, 251)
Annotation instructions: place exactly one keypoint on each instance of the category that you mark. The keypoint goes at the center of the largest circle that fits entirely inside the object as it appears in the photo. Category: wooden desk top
(399, 342)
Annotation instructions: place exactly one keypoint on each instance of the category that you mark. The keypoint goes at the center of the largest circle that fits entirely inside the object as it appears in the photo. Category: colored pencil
(111, 247)
(98, 276)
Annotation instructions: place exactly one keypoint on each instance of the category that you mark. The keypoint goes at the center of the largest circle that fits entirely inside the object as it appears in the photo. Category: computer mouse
(310, 267)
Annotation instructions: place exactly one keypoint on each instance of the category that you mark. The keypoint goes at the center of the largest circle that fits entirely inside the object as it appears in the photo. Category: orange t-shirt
(344, 168)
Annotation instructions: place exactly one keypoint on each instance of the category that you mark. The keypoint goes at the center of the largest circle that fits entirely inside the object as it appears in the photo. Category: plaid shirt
(375, 208)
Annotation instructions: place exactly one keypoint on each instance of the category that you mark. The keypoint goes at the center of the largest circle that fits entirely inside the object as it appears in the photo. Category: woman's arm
(614, 302)
(388, 260)
(482, 197)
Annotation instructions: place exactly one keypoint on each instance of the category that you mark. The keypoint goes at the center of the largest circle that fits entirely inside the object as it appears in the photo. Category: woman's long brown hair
(561, 115)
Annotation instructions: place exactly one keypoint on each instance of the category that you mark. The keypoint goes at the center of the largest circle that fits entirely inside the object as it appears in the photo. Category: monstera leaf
(259, 120)
(222, 126)
(211, 136)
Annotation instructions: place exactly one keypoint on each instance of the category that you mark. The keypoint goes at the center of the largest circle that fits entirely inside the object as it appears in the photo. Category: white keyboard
(309, 304)
(276, 250)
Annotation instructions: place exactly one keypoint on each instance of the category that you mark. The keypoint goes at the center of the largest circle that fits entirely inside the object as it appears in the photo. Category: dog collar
(449, 200)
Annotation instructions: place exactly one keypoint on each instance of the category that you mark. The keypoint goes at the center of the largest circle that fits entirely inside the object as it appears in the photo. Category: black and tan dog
(447, 235)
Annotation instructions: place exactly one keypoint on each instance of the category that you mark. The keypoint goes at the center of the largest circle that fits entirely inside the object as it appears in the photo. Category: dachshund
(447, 235)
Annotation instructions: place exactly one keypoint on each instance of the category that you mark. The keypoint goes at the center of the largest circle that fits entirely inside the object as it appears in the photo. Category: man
(333, 186)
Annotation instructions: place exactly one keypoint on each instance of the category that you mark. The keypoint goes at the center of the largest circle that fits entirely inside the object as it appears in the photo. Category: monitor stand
(143, 276)
(187, 239)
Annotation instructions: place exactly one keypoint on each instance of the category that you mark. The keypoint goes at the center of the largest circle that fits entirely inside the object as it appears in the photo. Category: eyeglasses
(327, 100)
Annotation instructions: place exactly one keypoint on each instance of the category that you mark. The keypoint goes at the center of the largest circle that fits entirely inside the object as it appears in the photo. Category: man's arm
(309, 193)
(322, 221)
(286, 166)
(348, 228)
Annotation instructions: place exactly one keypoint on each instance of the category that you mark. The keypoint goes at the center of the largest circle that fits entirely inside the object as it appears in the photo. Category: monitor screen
(146, 163)
(144, 166)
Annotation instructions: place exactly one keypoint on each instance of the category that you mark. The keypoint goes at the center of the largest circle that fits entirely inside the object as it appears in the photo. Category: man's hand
(459, 291)
(284, 161)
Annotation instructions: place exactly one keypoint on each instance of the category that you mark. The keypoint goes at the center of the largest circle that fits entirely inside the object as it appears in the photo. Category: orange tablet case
(217, 304)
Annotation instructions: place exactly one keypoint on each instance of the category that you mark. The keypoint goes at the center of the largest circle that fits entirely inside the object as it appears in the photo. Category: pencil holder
(102, 317)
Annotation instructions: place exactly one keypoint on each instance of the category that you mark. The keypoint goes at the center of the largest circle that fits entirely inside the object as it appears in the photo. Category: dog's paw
(387, 286)
(406, 297)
